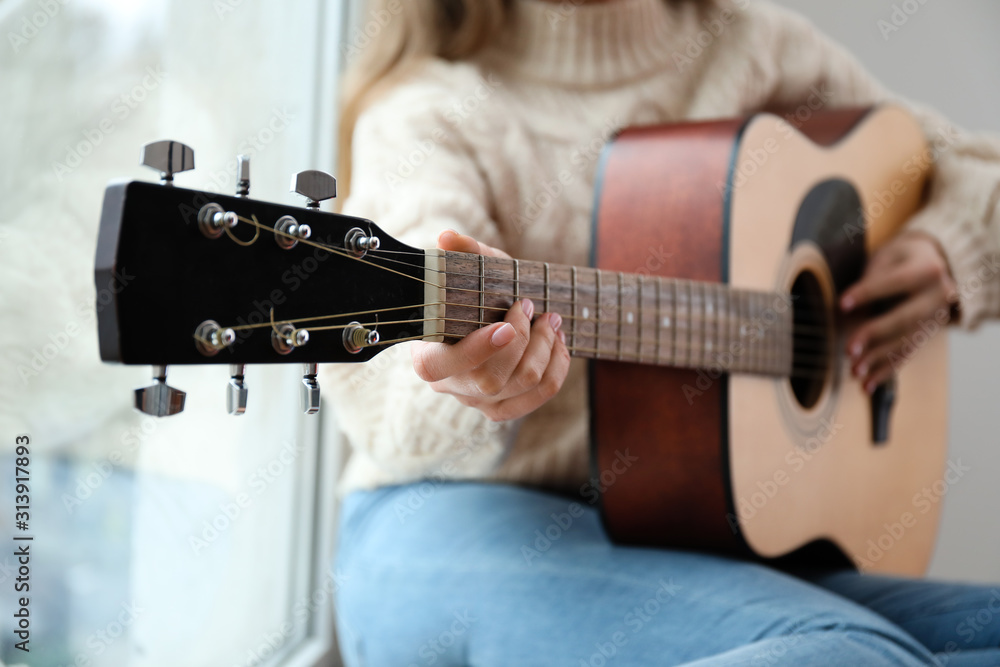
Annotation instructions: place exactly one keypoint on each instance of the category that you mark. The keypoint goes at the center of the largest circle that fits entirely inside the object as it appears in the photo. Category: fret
(621, 278)
(723, 307)
(684, 317)
(639, 341)
(769, 325)
(683, 323)
(659, 319)
(587, 334)
(710, 325)
(746, 342)
(727, 320)
(787, 340)
(517, 280)
(546, 287)
(482, 289)
(675, 291)
(572, 331)
(597, 314)
(733, 346)
(699, 315)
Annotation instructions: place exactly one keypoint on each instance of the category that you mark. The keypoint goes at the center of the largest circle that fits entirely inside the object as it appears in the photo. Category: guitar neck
(620, 316)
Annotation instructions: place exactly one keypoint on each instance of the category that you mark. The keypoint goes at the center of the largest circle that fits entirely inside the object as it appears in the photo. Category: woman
(459, 116)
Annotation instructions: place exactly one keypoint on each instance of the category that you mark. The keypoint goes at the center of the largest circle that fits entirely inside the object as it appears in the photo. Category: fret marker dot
(629, 318)
(586, 312)
(666, 321)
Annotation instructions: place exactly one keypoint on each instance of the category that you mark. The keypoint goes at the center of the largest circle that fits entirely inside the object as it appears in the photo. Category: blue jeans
(481, 574)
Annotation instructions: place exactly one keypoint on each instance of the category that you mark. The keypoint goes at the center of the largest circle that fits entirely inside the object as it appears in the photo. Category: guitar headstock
(203, 278)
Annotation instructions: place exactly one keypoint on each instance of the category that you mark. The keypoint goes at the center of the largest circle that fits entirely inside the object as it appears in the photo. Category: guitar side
(731, 463)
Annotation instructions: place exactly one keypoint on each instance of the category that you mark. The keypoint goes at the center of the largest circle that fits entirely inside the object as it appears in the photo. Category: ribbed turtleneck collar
(587, 44)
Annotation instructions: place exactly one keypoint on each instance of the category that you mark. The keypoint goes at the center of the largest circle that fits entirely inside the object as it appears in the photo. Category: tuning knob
(168, 158)
(236, 390)
(242, 175)
(310, 390)
(159, 399)
(315, 186)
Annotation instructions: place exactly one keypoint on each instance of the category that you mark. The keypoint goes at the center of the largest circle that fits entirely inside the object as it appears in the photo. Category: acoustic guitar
(709, 313)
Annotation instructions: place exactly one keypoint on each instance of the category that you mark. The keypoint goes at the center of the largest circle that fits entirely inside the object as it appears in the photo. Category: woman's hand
(506, 370)
(912, 270)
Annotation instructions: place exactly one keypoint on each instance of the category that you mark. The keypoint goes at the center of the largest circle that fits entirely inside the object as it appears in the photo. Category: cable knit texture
(505, 148)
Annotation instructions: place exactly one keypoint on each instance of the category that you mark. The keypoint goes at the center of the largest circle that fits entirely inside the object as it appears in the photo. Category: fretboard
(627, 316)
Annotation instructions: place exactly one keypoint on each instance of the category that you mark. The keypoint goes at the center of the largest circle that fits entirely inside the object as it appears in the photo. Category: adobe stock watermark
(583, 156)
(922, 503)
(121, 108)
(566, 9)
(98, 472)
(102, 639)
(796, 459)
(634, 621)
(363, 35)
(970, 627)
(712, 29)
(58, 341)
(899, 17)
(419, 493)
(591, 490)
(432, 650)
(756, 158)
(34, 23)
(459, 110)
(750, 334)
(223, 8)
(269, 643)
(232, 511)
(253, 144)
(880, 201)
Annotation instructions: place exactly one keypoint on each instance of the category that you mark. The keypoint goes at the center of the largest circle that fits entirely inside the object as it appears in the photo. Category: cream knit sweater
(505, 148)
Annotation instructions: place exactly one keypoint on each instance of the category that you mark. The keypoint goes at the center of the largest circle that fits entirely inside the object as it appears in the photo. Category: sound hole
(810, 356)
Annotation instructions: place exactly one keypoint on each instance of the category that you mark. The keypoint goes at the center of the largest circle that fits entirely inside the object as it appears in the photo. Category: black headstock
(191, 277)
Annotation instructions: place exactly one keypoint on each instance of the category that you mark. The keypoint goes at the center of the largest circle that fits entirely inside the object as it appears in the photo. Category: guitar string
(343, 253)
(692, 350)
(541, 283)
(258, 226)
(796, 371)
(639, 340)
(597, 322)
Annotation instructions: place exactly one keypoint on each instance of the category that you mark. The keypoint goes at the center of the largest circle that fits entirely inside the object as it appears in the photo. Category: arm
(947, 258)
(415, 176)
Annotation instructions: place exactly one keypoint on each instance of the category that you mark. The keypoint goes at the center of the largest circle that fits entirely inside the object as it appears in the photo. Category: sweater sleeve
(962, 210)
(414, 176)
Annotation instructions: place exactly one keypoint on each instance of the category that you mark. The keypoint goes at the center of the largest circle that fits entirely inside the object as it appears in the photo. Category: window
(199, 539)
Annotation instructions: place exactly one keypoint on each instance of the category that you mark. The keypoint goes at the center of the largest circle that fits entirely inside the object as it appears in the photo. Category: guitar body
(762, 465)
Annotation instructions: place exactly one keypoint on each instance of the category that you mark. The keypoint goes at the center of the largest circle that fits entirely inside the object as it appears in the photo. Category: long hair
(397, 34)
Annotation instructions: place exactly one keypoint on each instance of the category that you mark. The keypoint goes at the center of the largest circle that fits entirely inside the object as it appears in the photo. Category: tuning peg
(310, 390)
(236, 390)
(242, 175)
(159, 399)
(168, 158)
(315, 186)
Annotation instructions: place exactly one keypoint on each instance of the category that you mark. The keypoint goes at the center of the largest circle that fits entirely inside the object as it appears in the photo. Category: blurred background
(140, 558)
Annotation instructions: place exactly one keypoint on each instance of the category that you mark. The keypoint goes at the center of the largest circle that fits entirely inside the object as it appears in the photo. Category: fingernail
(528, 308)
(562, 336)
(856, 349)
(503, 335)
(555, 319)
(862, 370)
(870, 388)
(847, 303)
